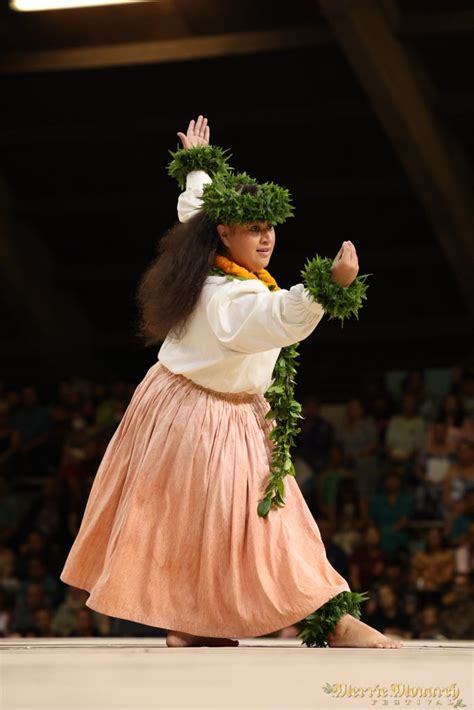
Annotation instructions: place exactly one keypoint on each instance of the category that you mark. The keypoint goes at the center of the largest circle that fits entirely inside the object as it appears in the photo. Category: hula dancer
(195, 522)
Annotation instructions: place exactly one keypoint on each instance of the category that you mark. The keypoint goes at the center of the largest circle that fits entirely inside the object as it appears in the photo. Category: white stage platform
(143, 674)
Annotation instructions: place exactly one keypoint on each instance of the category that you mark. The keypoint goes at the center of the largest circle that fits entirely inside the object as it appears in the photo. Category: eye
(255, 228)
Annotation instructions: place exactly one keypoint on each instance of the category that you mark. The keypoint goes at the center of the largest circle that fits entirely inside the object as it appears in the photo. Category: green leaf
(263, 507)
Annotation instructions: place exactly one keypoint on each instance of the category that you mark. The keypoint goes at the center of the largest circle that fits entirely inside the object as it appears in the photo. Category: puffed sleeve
(189, 201)
(247, 317)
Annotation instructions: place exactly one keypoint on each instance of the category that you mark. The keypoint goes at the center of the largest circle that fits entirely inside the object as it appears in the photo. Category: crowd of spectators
(391, 488)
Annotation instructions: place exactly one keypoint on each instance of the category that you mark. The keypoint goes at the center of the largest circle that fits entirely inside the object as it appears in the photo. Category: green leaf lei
(337, 302)
(314, 629)
(223, 201)
(210, 158)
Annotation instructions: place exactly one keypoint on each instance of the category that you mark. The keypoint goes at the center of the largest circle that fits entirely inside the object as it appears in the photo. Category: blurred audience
(391, 510)
(391, 488)
(432, 568)
(358, 438)
(405, 434)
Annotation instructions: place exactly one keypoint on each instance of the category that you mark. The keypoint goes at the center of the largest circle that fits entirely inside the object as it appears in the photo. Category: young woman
(189, 525)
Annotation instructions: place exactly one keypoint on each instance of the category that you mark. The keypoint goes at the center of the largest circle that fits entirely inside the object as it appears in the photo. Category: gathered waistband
(236, 397)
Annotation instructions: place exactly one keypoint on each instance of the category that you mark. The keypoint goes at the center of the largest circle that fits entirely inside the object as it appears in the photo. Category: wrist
(211, 159)
(338, 301)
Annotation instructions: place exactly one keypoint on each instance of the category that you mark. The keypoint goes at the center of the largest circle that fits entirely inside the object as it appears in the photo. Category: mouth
(264, 251)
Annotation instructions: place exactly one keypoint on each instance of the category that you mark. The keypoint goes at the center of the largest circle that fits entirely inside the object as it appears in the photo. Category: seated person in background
(457, 528)
(328, 482)
(12, 508)
(432, 466)
(358, 437)
(367, 562)
(348, 524)
(10, 442)
(395, 572)
(467, 393)
(34, 423)
(379, 404)
(405, 434)
(432, 569)
(453, 415)
(457, 616)
(389, 617)
(334, 552)
(414, 383)
(390, 511)
(429, 624)
(459, 479)
(316, 436)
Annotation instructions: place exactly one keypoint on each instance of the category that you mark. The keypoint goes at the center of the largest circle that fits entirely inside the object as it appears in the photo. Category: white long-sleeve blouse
(234, 335)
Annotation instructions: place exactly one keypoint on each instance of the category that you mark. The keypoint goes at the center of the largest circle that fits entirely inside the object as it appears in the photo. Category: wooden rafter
(176, 50)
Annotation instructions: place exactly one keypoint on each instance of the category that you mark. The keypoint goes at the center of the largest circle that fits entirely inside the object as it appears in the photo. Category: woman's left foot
(353, 633)
(180, 639)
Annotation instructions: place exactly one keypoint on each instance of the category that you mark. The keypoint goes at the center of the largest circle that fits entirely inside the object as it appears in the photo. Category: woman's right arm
(189, 201)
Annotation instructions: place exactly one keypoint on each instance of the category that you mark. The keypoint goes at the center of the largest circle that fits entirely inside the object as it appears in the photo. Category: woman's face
(249, 245)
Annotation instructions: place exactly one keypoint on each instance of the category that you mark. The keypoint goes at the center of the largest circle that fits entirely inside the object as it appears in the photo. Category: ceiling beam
(433, 162)
(175, 50)
(217, 45)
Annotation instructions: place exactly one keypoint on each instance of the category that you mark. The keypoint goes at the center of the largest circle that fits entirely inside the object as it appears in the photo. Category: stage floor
(143, 674)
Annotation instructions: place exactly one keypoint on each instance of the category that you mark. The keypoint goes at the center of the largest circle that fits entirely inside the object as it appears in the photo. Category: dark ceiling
(90, 102)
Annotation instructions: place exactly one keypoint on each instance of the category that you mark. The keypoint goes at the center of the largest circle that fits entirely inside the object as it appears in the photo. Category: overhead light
(35, 5)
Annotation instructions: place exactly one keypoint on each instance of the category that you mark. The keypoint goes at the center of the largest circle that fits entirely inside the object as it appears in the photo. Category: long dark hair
(170, 287)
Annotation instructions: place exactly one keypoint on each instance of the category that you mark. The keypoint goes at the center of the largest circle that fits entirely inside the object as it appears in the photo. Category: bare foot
(179, 638)
(353, 633)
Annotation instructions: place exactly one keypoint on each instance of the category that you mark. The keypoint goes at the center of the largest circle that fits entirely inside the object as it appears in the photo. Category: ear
(223, 232)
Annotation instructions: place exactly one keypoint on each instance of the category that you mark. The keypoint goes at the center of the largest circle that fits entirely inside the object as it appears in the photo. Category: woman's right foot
(179, 639)
(350, 632)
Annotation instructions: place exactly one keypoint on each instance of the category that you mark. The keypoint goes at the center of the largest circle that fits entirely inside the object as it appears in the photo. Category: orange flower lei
(230, 267)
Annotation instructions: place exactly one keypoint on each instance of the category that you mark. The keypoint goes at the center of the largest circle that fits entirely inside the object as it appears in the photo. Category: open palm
(197, 134)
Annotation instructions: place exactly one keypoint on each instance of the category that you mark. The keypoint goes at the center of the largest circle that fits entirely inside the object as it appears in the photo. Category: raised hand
(345, 266)
(197, 134)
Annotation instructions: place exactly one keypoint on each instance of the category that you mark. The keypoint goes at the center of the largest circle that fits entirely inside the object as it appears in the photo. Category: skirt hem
(199, 630)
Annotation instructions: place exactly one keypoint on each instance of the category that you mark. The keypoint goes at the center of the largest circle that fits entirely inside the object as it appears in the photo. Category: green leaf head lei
(223, 200)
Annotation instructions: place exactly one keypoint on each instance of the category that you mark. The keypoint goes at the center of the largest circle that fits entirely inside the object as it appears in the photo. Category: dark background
(374, 141)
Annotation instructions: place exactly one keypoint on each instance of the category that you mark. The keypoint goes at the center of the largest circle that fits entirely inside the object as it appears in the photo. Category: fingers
(348, 253)
(184, 140)
(200, 128)
(190, 131)
(197, 127)
(197, 133)
(350, 250)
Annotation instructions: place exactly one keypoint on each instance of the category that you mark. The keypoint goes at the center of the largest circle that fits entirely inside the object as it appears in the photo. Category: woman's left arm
(246, 317)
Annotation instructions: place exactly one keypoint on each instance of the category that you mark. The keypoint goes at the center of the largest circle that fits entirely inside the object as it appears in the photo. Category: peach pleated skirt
(170, 535)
